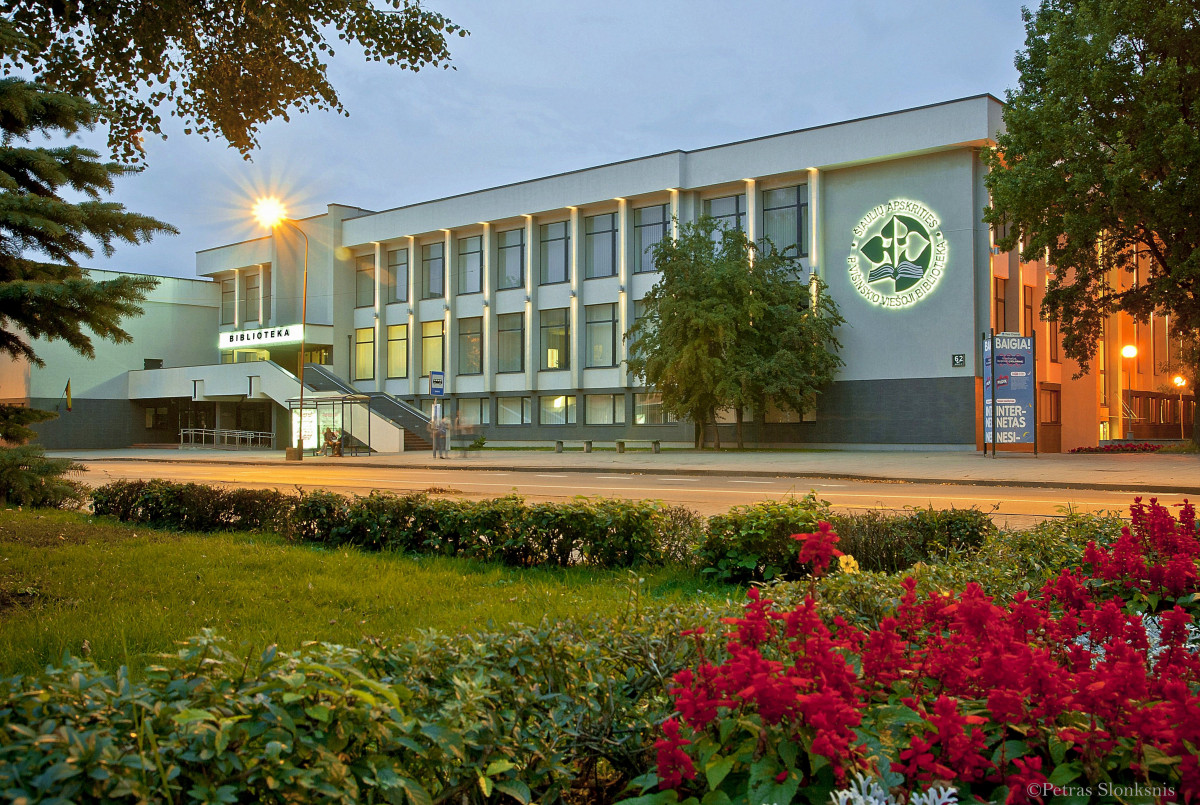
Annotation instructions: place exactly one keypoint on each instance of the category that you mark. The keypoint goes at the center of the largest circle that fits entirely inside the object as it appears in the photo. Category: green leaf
(417, 795)
(717, 769)
(1065, 773)
(318, 712)
(485, 785)
(499, 767)
(515, 789)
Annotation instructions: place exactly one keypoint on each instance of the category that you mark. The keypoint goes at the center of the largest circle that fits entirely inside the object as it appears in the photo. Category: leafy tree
(1099, 167)
(224, 67)
(729, 326)
(51, 212)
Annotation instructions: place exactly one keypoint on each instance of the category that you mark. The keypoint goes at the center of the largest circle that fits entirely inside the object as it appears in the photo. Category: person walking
(441, 447)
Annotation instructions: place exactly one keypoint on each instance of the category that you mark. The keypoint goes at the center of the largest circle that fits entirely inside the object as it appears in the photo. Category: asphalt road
(706, 494)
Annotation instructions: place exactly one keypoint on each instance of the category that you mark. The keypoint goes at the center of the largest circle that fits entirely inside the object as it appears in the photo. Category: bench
(655, 444)
(587, 445)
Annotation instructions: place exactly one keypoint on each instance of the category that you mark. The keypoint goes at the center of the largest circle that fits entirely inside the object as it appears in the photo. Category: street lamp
(270, 213)
(1180, 381)
(1127, 351)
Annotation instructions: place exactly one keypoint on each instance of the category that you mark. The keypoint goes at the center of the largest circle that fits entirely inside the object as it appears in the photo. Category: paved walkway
(1149, 473)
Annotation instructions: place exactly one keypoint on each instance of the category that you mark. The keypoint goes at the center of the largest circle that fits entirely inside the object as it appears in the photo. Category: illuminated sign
(264, 337)
(898, 254)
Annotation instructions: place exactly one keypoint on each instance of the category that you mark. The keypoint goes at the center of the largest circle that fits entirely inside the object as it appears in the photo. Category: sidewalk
(1145, 473)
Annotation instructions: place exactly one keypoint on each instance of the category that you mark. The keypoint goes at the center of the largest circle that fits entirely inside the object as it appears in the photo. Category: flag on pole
(67, 393)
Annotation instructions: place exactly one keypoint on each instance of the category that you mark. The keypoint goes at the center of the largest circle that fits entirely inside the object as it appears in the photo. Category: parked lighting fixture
(1180, 382)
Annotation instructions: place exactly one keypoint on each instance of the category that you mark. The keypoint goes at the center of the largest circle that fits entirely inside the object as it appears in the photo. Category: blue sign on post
(1009, 389)
(437, 384)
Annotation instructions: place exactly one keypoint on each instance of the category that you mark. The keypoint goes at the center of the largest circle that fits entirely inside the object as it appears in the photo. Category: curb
(1140, 488)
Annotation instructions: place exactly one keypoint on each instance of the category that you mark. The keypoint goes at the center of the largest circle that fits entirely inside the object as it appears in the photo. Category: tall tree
(1099, 167)
(729, 326)
(224, 67)
(45, 227)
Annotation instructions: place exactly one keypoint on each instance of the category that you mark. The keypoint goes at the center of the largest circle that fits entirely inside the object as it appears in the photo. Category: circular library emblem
(898, 254)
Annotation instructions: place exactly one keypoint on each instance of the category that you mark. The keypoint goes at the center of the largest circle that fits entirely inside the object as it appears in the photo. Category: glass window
(785, 219)
(1027, 312)
(1053, 342)
(600, 236)
(1050, 406)
(474, 410)
(397, 275)
(511, 256)
(648, 410)
(604, 409)
(364, 353)
(250, 308)
(999, 294)
(510, 342)
(514, 411)
(650, 225)
(397, 350)
(730, 211)
(556, 331)
(558, 410)
(601, 335)
(555, 252)
(364, 281)
(433, 270)
(431, 347)
(228, 300)
(470, 265)
(470, 346)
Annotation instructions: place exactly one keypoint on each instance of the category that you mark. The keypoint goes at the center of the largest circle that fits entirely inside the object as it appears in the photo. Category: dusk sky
(543, 87)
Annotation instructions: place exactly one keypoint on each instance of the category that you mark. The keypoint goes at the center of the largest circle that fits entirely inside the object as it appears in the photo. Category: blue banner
(1011, 398)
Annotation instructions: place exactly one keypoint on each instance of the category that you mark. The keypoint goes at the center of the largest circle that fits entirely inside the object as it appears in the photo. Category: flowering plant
(1120, 447)
(1093, 680)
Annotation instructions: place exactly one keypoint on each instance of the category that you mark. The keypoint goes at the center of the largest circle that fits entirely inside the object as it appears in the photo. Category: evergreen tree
(729, 326)
(51, 214)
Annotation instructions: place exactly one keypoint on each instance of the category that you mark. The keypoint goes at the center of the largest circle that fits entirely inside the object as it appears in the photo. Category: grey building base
(94, 425)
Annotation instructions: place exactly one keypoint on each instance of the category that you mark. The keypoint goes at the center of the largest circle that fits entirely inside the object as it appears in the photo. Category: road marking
(553, 476)
(751, 482)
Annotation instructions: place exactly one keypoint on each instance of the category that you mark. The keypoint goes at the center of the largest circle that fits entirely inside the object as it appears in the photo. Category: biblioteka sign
(898, 255)
(264, 337)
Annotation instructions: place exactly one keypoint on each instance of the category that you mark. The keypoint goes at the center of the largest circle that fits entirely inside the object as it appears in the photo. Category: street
(707, 494)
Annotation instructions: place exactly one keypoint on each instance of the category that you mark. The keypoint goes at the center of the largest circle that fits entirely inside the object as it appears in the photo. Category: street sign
(1009, 389)
(958, 360)
(437, 384)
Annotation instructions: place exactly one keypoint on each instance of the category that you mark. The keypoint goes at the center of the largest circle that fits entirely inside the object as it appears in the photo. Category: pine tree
(52, 214)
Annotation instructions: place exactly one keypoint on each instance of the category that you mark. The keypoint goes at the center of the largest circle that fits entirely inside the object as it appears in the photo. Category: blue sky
(542, 87)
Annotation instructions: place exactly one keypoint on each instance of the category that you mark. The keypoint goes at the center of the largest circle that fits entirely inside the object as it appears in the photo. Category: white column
(675, 213)
(487, 326)
(753, 213)
(575, 311)
(237, 299)
(414, 326)
(380, 326)
(449, 320)
(814, 222)
(623, 275)
(532, 331)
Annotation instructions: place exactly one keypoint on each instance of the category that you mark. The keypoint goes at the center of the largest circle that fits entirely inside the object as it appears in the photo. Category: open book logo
(898, 255)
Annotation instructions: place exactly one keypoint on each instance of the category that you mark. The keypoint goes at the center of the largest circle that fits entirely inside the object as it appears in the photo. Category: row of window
(601, 334)
(785, 225)
(561, 409)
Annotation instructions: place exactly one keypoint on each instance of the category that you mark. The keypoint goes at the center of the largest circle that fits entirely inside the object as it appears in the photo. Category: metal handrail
(222, 438)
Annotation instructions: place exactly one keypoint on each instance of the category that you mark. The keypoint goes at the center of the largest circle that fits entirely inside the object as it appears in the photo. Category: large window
(556, 332)
(470, 346)
(1027, 311)
(604, 409)
(555, 253)
(364, 281)
(650, 225)
(364, 353)
(432, 351)
(397, 275)
(473, 410)
(648, 410)
(601, 335)
(228, 300)
(785, 219)
(397, 350)
(730, 211)
(510, 342)
(1050, 406)
(470, 265)
(251, 300)
(600, 235)
(433, 270)
(999, 294)
(514, 411)
(1053, 342)
(510, 254)
(559, 410)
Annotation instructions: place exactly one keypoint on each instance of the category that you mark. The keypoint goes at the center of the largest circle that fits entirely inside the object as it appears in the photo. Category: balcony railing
(223, 439)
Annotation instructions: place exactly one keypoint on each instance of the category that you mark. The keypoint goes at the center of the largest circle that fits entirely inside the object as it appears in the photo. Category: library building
(506, 308)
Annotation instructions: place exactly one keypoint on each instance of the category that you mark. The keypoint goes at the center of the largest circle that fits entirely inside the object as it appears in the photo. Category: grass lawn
(131, 592)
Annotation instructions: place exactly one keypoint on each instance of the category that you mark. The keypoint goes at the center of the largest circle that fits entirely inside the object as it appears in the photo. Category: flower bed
(1124, 447)
(1090, 684)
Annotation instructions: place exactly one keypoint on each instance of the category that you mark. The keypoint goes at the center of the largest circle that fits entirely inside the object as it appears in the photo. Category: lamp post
(1180, 381)
(270, 213)
(1127, 351)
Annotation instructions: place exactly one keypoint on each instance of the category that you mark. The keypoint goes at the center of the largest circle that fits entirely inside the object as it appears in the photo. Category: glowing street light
(1127, 351)
(1180, 381)
(270, 213)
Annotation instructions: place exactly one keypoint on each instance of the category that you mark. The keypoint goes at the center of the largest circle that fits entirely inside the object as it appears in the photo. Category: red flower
(673, 763)
(818, 547)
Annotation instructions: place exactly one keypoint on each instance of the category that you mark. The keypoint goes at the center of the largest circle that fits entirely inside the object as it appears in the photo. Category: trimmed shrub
(754, 542)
